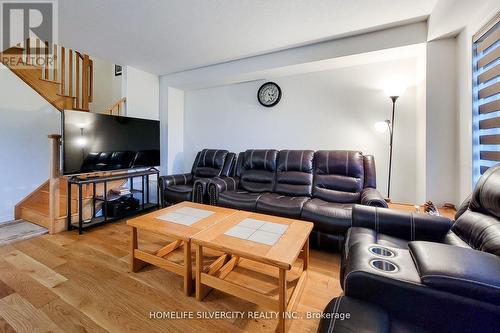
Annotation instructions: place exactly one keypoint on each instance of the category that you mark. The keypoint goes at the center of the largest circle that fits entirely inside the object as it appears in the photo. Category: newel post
(54, 176)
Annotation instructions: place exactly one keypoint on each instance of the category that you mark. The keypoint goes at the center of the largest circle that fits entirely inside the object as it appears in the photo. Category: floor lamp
(382, 126)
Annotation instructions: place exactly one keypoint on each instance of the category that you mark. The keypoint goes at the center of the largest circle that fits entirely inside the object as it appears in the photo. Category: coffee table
(179, 222)
(281, 251)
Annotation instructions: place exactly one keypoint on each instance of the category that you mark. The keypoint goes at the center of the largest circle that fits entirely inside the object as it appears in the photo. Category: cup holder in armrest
(381, 251)
(384, 266)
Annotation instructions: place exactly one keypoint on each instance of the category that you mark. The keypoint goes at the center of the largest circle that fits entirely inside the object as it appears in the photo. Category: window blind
(486, 98)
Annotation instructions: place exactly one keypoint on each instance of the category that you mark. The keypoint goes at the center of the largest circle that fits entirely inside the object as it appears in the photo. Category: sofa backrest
(370, 171)
(294, 172)
(258, 170)
(229, 165)
(209, 163)
(479, 225)
(338, 175)
(238, 166)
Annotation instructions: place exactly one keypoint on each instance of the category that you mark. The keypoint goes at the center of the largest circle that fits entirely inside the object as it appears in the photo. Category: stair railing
(74, 71)
(117, 108)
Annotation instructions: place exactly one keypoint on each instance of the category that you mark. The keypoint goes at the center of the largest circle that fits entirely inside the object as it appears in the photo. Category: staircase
(63, 77)
(35, 207)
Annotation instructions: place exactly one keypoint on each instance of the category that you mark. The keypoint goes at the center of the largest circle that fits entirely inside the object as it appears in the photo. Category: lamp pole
(393, 98)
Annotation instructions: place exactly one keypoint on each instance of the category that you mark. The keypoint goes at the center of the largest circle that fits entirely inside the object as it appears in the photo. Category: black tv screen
(94, 142)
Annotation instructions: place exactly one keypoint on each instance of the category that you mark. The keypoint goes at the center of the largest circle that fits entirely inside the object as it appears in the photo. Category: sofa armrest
(179, 179)
(170, 180)
(406, 225)
(463, 271)
(200, 188)
(372, 197)
(218, 185)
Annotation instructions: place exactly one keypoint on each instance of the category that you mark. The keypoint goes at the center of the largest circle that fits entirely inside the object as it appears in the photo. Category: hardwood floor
(71, 283)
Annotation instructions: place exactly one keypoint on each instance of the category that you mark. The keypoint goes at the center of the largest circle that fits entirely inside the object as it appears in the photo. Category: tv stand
(145, 203)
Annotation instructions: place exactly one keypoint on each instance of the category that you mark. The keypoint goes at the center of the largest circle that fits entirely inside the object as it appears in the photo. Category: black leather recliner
(192, 186)
(424, 272)
(317, 186)
(341, 179)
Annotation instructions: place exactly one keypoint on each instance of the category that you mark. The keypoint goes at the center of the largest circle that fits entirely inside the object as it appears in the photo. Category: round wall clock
(269, 94)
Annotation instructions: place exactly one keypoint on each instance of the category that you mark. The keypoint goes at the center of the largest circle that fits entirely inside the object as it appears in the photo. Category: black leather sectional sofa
(404, 272)
(320, 186)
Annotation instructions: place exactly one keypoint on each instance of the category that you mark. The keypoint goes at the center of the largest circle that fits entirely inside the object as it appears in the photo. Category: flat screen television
(94, 142)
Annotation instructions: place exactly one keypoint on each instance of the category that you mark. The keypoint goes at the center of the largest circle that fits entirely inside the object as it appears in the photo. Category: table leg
(135, 264)
(306, 255)
(199, 269)
(282, 304)
(188, 273)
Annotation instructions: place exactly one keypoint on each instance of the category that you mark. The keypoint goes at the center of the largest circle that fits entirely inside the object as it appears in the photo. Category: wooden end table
(444, 211)
(181, 234)
(292, 244)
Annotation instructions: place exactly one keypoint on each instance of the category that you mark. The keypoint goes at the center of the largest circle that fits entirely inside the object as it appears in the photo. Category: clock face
(269, 94)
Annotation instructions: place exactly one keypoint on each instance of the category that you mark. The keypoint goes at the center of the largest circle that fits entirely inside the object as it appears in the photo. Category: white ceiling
(166, 36)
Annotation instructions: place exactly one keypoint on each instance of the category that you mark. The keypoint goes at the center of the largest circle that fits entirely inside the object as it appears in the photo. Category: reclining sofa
(320, 187)
(415, 272)
(192, 186)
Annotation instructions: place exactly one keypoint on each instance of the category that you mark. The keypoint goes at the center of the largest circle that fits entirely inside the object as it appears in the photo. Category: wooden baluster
(85, 82)
(46, 64)
(54, 68)
(37, 52)
(91, 70)
(70, 90)
(28, 51)
(54, 179)
(77, 80)
(63, 70)
(118, 111)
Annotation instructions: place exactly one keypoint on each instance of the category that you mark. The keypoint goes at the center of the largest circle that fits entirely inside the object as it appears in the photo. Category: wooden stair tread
(74, 196)
(43, 207)
(50, 81)
(68, 96)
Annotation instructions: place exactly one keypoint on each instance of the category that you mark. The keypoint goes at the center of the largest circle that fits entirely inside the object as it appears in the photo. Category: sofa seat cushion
(178, 193)
(239, 199)
(281, 205)
(328, 217)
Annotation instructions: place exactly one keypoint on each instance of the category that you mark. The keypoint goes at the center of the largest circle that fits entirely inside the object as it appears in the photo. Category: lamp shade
(82, 142)
(394, 89)
(382, 126)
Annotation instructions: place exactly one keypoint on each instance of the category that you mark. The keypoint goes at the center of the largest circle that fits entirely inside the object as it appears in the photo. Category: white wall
(27, 119)
(334, 109)
(142, 90)
(441, 118)
(175, 134)
(107, 86)
(421, 138)
(465, 18)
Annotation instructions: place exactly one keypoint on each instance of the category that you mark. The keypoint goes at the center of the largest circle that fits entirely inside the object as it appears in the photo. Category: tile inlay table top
(292, 244)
